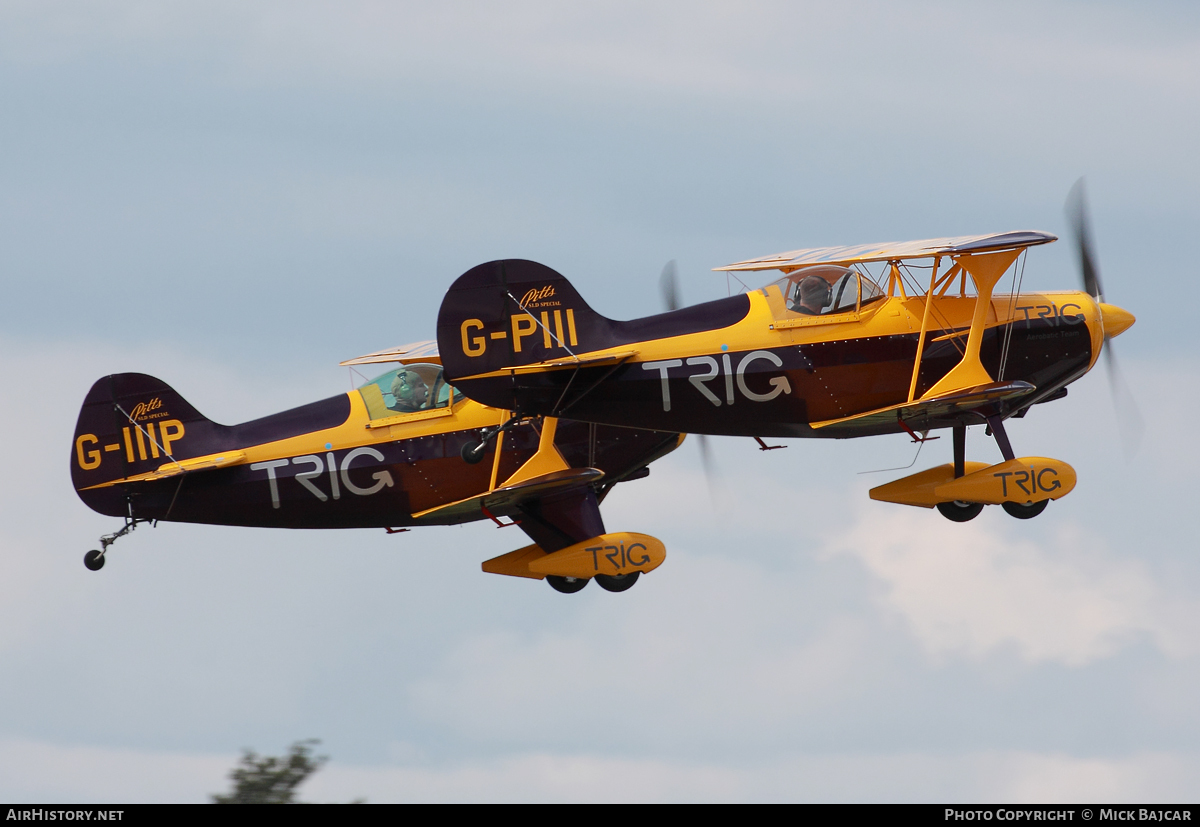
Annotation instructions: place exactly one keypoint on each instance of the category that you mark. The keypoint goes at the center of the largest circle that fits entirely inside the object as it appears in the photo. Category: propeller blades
(1081, 229)
(706, 462)
(668, 286)
(1129, 418)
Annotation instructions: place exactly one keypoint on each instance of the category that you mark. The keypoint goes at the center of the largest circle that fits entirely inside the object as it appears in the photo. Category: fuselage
(331, 464)
(775, 372)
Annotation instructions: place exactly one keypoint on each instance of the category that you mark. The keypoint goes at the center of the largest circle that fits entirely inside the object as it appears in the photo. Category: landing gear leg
(94, 559)
(1021, 512)
(996, 429)
(960, 512)
(960, 450)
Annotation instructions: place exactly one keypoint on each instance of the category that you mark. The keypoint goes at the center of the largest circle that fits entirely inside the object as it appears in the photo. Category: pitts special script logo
(148, 410)
(538, 297)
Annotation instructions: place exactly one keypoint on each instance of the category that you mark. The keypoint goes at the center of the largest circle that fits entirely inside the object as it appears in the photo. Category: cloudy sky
(234, 197)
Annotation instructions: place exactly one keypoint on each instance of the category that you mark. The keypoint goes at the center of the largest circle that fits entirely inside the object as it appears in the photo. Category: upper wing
(426, 352)
(894, 251)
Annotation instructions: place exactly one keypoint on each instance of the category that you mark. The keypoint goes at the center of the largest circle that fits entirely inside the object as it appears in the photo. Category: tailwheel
(566, 585)
(960, 512)
(94, 559)
(1025, 512)
(617, 582)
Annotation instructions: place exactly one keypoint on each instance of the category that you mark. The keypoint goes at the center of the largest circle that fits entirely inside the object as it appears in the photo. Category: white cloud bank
(973, 590)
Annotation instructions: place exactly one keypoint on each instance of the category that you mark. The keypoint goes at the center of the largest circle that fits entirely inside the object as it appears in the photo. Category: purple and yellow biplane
(843, 342)
(531, 406)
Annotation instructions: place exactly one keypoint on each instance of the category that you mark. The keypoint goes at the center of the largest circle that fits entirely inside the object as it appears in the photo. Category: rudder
(514, 312)
(131, 423)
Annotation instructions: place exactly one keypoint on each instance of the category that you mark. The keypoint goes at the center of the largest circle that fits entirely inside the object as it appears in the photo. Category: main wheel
(94, 560)
(959, 511)
(1025, 512)
(617, 582)
(566, 585)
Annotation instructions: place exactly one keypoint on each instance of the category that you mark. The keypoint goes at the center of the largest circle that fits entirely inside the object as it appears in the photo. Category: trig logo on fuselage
(1051, 314)
(338, 478)
(779, 384)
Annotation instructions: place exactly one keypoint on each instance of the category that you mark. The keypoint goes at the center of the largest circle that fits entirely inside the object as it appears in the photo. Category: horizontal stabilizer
(603, 360)
(184, 466)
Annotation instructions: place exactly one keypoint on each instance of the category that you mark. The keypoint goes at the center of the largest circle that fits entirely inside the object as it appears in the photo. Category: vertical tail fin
(514, 312)
(129, 424)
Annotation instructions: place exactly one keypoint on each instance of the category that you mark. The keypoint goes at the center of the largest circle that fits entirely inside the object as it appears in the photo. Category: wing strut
(912, 388)
(985, 271)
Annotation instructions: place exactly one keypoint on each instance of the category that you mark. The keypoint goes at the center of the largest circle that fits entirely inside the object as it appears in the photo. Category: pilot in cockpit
(410, 391)
(814, 294)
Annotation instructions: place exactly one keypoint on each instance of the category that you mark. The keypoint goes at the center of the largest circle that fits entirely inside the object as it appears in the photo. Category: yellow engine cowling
(1023, 480)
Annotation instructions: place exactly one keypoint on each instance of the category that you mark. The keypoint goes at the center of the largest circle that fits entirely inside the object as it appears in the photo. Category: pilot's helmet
(816, 292)
(409, 387)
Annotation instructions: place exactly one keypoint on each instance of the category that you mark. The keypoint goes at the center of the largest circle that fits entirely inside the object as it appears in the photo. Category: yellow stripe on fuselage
(356, 431)
(894, 316)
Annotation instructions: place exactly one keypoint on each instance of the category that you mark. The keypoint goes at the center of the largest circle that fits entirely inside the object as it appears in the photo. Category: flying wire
(560, 342)
(729, 287)
(1012, 302)
(538, 322)
(157, 444)
(938, 317)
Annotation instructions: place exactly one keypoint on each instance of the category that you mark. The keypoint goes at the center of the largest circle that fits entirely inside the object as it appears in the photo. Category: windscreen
(408, 389)
(826, 289)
